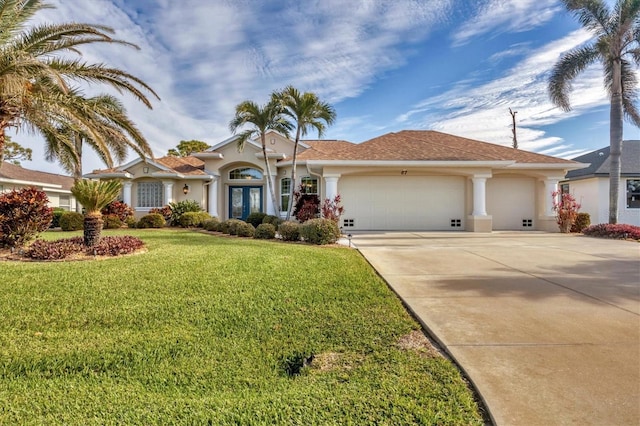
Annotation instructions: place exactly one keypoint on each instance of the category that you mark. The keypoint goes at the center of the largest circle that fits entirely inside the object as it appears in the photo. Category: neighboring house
(57, 187)
(410, 180)
(590, 186)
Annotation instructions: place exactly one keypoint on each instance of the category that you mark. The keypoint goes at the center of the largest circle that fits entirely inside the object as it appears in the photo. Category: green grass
(198, 330)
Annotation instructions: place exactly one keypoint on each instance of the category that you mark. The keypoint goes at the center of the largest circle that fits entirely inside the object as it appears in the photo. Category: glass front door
(244, 200)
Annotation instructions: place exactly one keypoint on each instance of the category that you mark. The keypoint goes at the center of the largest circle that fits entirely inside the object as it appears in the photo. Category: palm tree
(616, 45)
(94, 196)
(305, 111)
(261, 119)
(35, 80)
(111, 121)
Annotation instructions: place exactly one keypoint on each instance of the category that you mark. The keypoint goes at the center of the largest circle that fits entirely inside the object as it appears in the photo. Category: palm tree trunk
(270, 183)
(3, 127)
(294, 161)
(92, 229)
(615, 141)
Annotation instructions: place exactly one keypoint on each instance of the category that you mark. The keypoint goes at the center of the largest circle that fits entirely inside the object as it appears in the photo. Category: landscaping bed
(202, 329)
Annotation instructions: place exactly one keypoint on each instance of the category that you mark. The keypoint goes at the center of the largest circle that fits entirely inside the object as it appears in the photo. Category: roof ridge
(448, 146)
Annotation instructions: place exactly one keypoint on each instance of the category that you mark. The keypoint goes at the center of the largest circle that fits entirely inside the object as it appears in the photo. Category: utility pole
(513, 119)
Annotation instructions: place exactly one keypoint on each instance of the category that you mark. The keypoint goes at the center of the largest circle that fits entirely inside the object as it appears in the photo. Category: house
(57, 187)
(590, 186)
(409, 180)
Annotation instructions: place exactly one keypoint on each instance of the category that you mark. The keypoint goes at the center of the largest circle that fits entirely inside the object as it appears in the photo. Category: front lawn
(215, 330)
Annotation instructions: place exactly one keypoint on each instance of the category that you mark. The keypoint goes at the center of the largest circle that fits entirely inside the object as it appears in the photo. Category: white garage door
(511, 201)
(403, 202)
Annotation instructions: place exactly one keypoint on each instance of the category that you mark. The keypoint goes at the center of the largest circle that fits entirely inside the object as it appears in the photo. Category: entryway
(244, 200)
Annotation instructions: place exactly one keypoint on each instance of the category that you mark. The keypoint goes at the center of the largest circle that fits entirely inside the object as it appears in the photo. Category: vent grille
(527, 223)
(348, 223)
(456, 223)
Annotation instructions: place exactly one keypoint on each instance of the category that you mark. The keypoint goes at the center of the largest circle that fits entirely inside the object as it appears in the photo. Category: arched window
(245, 173)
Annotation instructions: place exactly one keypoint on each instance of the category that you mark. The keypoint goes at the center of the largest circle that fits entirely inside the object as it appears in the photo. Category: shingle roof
(601, 163)
(422, 145)
(183, 165)
(11, 171)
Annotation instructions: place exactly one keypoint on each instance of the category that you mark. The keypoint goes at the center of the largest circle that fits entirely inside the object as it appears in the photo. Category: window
(150, 194)
(285, 192)
(633, 193)
(309, 185)
(65, 202)
(245, 173)
(564, 188)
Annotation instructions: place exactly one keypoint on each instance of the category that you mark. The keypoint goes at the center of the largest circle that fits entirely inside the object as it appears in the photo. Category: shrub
(265, 231)
(320, 231)
(131, 222)
(307, 206)
(151, 220)
(583, 220)
(180, 208)
(273, 220)
(617, 231)
(331, 209)
(566, 210)
(255, 218)
(55, 218)
(193, 219)
(111, 221)
(164, 211)
(71, 221)
(23, 215)
(233, 225)
(55, 250)
(116, 245)
(119, 209)
(244, 229)
(211, 224)
(289, 231)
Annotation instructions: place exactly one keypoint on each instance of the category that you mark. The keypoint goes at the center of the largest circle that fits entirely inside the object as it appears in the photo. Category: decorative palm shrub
(180, 208)
(94, 196)
(71, 221)
(23, 215)
(265, 231)
(151, 220)
(289, 231)
(320, 231)
(256, 218)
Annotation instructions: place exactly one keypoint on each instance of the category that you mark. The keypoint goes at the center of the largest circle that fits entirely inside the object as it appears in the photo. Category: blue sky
(455, 66)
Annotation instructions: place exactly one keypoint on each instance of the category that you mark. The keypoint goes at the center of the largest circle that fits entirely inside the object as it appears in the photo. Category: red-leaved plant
(23, 215)
(331, 209)
(566, 209)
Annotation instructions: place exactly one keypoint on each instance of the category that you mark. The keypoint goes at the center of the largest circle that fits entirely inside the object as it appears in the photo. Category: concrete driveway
(547, 326)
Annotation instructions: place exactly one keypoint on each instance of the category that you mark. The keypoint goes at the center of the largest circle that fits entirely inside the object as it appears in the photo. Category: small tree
(307, 206)
(186, 148)
(94, 196)
(566, 209)
(331, 209)
(15, 153)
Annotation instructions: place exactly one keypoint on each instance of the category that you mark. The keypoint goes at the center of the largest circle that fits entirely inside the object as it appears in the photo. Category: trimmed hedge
(71, 221)
(320, 231)
(583, 220)
(265, 231)
(245, 229)
(193, 219)
(211, 224)
(112, 221)
(55, 220)
(151, 220)
(256, 218)
(289, 231)
(273, 220)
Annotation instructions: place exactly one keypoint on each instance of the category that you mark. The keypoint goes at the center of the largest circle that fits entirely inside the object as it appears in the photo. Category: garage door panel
(403, 202)
(510, 200)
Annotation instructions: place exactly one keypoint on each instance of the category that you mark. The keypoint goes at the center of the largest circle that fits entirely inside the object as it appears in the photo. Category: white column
(213, 196)
(331, 186)
(479, 196)
(271, 209)
(550, 186)
(126, 193)
(168, 191)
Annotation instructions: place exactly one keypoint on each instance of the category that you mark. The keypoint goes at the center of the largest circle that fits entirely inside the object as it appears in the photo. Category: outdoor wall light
(185, 189)
(349, 236)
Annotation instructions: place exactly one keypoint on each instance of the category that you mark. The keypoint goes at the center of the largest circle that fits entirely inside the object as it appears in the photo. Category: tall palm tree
(261, 119)
(305, 111)
(616, 45)
(35, 79)
(94, 196)
(111, 121)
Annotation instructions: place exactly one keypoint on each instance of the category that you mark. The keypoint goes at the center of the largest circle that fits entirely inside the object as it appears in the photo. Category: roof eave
(30, 183)
(554, 166)
(110, 175)
(410, 163)
(208, 155)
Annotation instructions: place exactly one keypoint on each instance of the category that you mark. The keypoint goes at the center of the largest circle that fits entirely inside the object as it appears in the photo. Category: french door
(244, 200)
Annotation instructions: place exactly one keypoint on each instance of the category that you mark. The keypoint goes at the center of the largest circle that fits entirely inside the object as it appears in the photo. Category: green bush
(289, 231)
(265, 231)
(111, 221)
(273, 220)
(23, 215)
(193, 219)
(180, 208)
(131, 222)
(152, 220)
(55, 220)
(255, 218)
(233, 225)
(71, 221)
(320, 231)
(583, 220)
(211, 224)
(245, 229)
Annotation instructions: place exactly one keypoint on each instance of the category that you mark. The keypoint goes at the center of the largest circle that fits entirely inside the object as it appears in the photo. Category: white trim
(208, 155)
(31, 183)
(121, 175)
(410, 163)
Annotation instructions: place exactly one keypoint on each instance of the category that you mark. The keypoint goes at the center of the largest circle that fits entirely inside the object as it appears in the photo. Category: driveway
(546, 326)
